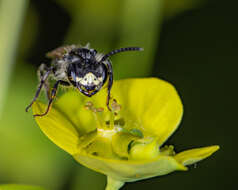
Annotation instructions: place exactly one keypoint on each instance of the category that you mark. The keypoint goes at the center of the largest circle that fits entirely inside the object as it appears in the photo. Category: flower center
(107, 124)
(111, 138)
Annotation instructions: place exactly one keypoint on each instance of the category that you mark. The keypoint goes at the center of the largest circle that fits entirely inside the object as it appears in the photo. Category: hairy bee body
(80, 67)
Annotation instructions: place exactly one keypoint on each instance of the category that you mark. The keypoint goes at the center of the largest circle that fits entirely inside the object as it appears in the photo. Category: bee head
(87, 78)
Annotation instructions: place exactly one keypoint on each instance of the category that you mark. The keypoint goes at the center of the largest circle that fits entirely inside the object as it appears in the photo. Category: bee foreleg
(53, 95)
(43, 78)
(110, 82)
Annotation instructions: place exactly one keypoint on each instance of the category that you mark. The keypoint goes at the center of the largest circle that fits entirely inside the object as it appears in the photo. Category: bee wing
(60, 51)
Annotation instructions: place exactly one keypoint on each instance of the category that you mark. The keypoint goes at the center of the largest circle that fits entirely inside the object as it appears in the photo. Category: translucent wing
(60, 51)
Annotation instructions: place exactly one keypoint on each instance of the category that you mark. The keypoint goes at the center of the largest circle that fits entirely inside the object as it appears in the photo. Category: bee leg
(41, 71)
(53, 95)
(47, 89)
(43, 78)
(110, 82)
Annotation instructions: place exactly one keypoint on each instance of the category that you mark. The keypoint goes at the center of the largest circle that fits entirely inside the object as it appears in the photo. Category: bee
(80, 67)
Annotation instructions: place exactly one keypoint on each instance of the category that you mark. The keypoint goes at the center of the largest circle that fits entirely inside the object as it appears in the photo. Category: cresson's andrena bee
(80, 67)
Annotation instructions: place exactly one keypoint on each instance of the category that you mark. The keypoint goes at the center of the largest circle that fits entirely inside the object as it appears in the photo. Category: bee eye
(93, 51)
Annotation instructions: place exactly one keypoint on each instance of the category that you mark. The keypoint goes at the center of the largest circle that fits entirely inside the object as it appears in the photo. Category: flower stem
(142, 30)
(113, 184)
(11, 18)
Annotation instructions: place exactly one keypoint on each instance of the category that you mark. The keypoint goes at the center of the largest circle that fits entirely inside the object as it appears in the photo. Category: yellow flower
(126, 144)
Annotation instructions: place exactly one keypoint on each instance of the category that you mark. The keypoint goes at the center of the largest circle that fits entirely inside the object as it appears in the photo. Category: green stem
(113, 184)
(140, 26)
(11, 17)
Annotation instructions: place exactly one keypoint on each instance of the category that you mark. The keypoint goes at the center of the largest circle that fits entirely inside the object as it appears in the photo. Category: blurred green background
(191, 43)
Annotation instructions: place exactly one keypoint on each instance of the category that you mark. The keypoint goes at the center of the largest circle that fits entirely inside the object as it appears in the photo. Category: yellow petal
(130, 170)
(150, 104)
(57, 128)
(71, 105)
(192, 156)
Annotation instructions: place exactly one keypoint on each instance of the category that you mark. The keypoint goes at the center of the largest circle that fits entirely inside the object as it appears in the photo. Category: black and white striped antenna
(119, 51)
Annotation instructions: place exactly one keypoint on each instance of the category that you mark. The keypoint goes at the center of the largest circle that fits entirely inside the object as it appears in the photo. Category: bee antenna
(119, 51)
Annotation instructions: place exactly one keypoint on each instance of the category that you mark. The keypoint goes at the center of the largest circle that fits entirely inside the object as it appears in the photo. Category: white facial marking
(78, 79)
(89, 79)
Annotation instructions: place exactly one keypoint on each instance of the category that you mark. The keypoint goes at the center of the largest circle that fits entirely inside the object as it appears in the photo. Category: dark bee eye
(93, 51)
